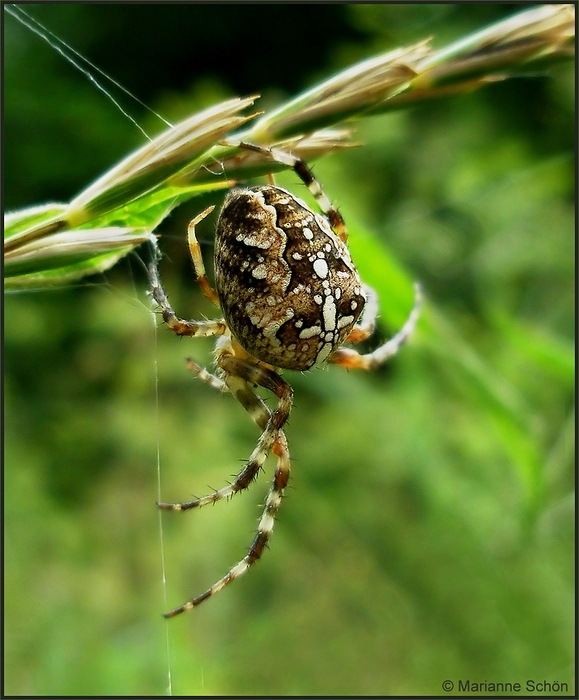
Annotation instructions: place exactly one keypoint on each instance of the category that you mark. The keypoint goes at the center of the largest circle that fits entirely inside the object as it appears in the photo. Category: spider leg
(206, 376)
(178, 325)
(195, 252)
(240, 375)
(264, 528)
(351, 359)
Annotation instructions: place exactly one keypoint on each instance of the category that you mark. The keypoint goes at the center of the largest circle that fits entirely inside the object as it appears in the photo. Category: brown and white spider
(290, 297)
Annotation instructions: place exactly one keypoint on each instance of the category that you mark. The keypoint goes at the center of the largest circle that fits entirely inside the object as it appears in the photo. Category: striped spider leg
(290, 296)
(240, 373)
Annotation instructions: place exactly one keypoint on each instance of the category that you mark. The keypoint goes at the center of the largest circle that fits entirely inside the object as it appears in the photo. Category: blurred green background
(428, 531)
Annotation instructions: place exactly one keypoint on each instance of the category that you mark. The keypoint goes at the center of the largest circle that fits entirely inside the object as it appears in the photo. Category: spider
(290, 296)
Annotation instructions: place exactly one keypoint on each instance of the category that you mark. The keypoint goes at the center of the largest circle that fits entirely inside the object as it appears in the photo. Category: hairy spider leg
(304, 172)
(262, 536)
(269, 423)
(240, 376)
(181, 326)
(352, 359)
(207, 377)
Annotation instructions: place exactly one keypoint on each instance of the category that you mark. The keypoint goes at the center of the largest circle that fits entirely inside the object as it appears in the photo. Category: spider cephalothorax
(290, 297)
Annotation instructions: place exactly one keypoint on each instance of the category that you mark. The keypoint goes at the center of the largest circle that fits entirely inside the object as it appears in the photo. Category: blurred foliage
(428, 530)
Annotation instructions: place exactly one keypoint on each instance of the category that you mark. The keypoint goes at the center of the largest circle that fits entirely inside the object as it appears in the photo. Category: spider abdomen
(287, 285)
